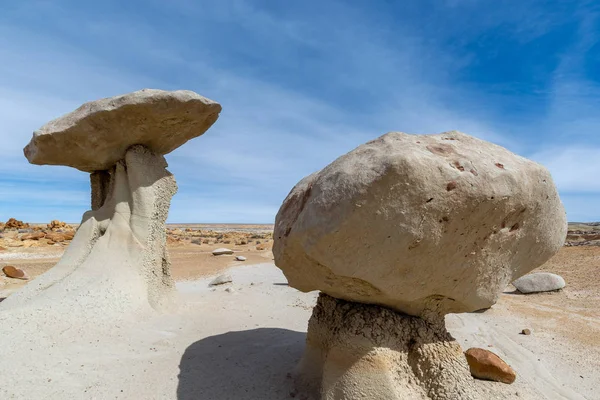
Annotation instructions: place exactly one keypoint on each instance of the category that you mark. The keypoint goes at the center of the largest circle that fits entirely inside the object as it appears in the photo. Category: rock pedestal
(397, 233)
(117, 263)
(356, 351)
(121, 242)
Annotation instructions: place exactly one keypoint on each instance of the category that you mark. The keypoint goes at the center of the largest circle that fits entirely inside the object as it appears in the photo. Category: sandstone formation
(56, 224)
(117, 261)
(419, 221)
(15, 224)
(539, 282)
(486, 365)
(96, 135)
(396, 234)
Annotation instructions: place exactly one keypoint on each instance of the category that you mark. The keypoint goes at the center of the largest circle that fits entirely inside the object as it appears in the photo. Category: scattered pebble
(222, 250)
(14, 272)
(220, 280)
(526, 331)
(240, 258)
(230, 290)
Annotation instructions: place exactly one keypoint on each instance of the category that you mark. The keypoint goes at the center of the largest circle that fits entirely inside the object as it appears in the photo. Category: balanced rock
(118, 253)
(486, 365)
(96, 135)
(419, 223)
(221, 250)
(539, 282)
(14, 272)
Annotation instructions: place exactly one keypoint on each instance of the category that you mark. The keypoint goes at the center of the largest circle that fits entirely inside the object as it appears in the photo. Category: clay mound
(96, 135)
(415, 222)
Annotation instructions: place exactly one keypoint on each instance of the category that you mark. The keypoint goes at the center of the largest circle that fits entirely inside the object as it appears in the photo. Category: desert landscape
(435, 266)
(245, 343)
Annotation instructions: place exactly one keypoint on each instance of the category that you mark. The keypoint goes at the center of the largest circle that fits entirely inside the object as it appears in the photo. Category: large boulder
(539, 282)
(419, 223)
(96, 135)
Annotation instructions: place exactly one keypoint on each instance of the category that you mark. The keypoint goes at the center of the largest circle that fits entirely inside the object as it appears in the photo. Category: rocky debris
(221, 280)
(539, 282)
(526, 332)
(56, 224)
(221, 251)
(230, 290)
(376, 225)
(14, 272)
(15, 224)
(33, 236)
(58, 237)
(240, 258)
(1, 226)
(486, 365)
(159, 120)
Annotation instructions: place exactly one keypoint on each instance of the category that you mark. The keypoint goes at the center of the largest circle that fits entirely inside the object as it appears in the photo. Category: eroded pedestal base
(359, 351)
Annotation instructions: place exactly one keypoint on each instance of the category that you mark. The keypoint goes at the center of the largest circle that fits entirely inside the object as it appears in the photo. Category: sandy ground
(244, 344)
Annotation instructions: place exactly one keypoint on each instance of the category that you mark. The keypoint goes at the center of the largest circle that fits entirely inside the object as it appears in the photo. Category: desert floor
(243, 342)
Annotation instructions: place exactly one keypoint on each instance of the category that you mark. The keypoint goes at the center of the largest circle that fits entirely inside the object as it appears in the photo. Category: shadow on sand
(252, 364)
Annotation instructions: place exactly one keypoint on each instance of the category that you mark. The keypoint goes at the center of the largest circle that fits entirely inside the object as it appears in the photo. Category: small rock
(14, 272)
(230, 290)
(33, 236)
(539, 282)
(220, 280)
(240, 258)
(486, 365)
(526, 331)
(221, 251)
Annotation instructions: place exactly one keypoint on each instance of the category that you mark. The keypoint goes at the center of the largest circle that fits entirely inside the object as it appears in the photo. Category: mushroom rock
(96, 135)
(416, 226)
(117, 260)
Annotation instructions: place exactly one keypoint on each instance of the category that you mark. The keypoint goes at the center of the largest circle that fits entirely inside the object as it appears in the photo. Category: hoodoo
(117, 261)
(397, 233)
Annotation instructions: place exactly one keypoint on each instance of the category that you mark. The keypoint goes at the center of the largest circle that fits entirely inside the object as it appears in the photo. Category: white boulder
(221, 250)
(419, 223)
(539, 282)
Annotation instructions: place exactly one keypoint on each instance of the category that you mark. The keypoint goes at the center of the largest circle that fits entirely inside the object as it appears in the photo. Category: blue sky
(302, 82)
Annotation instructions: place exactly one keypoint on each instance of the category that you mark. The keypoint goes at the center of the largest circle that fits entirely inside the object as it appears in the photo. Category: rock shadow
(253, 364)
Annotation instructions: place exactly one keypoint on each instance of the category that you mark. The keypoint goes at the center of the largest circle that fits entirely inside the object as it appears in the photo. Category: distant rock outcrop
(15, 224)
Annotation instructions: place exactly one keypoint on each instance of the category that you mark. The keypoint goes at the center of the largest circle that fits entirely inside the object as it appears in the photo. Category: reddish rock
(15, 224)
(56, 224)
(33, 236)
(14, 272)
(486, 365)
(56, 237)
